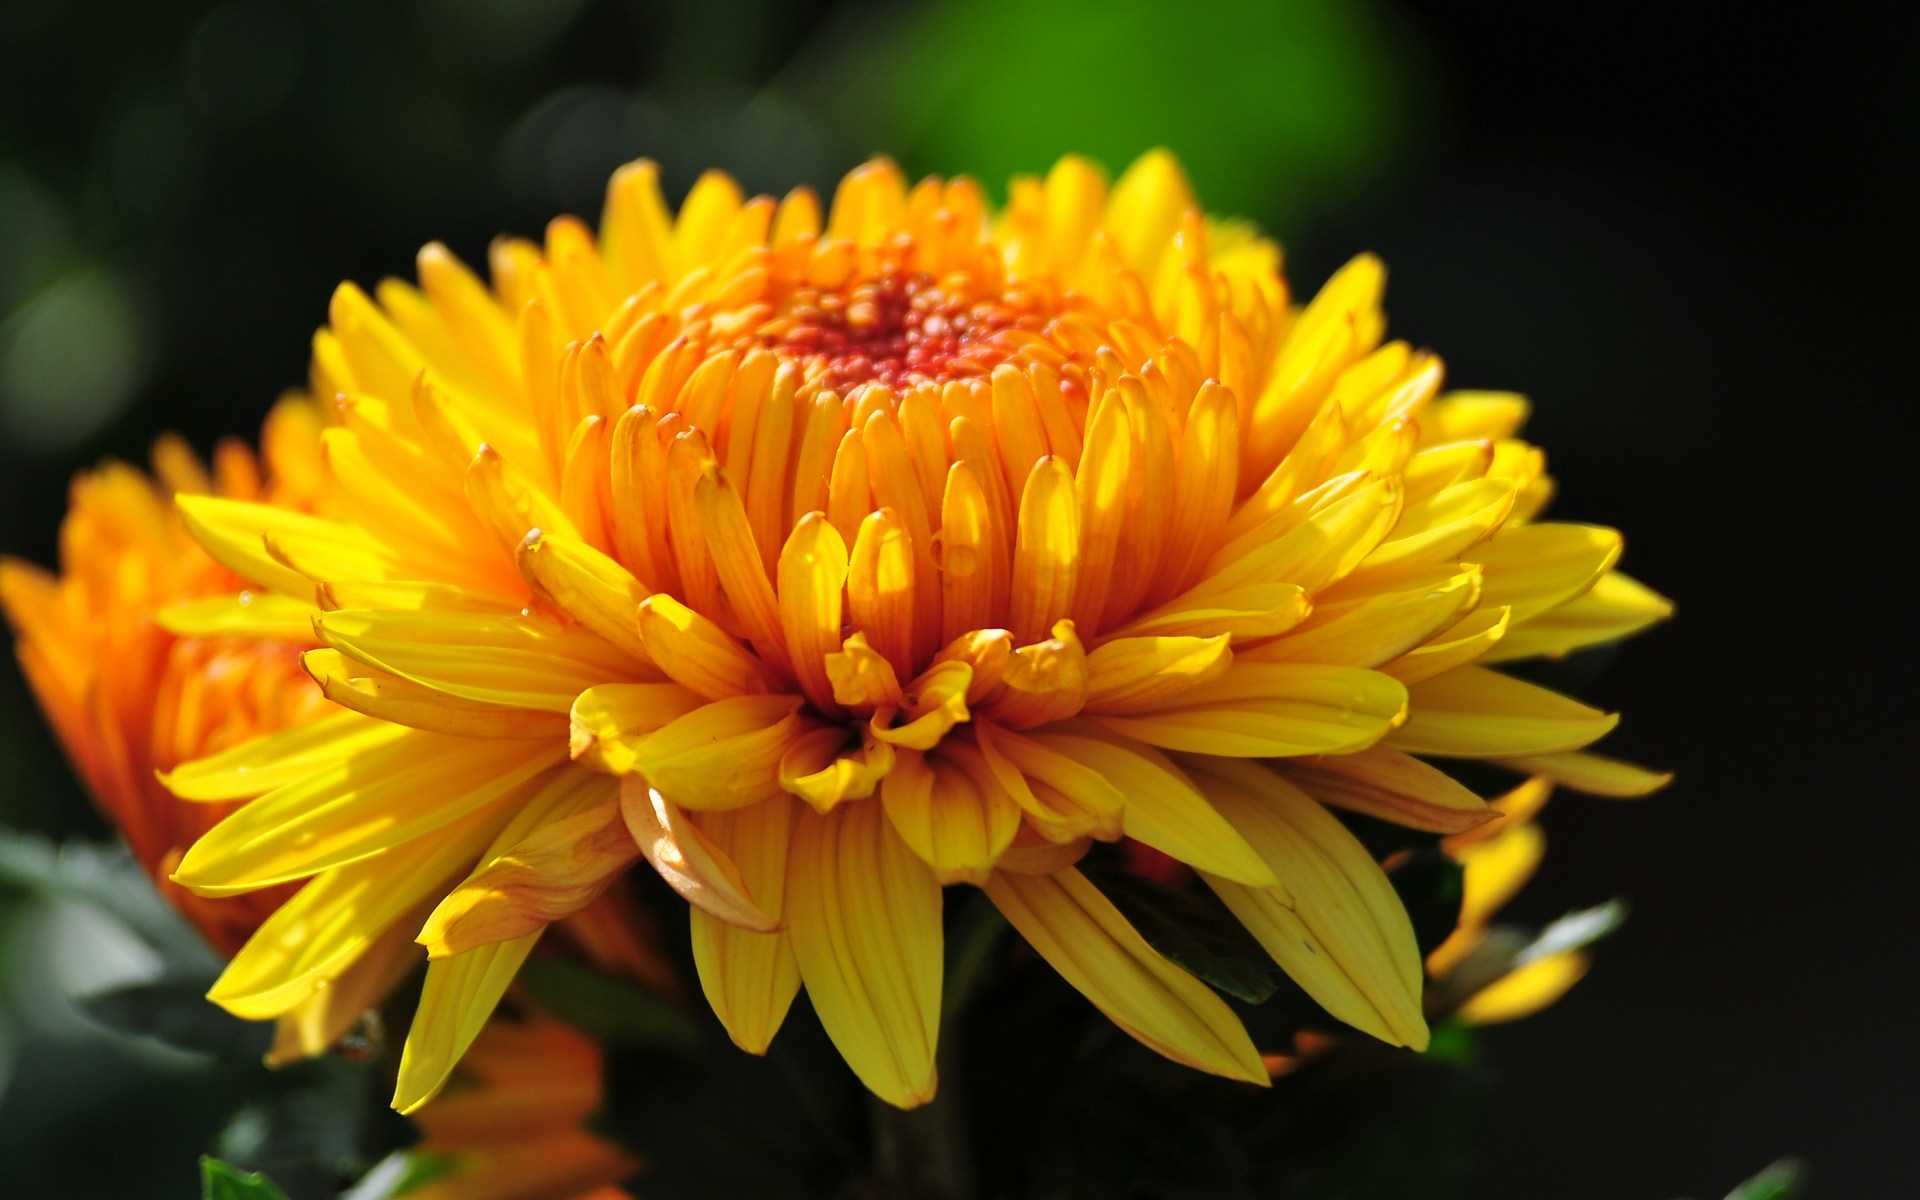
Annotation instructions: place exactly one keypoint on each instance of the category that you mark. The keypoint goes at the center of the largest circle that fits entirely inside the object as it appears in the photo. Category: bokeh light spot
(242, 61)
(70, 359)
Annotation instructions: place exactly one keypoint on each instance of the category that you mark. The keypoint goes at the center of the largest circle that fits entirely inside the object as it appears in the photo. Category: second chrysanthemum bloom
(824, 563)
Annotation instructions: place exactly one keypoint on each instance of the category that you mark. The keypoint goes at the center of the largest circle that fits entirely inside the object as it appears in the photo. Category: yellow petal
(1140, 674)
(1534, 568)
(1525, 990)
(881, 587)
(749, 978)
(549, 875)
(1046, 553)
(1468, 641)
(864, 916)
(1374, 629)
(402, 702)
(1458, 415)
(348, 810)
(459, 996)
(737, 560)
(1245, 612)
(317, 936)
(1274, 710)
(318, 1023)
(690, 862)
(586, 585)
(1382, 782)
(936, 702)
(1063, 799)
(1039, 683)
(409, 594)
(696, 652)
(1617, 607)
(1321, 549)
(726, 754)
(941, 810)
(1079, 931)
(609, 723)
(1145, 207)
(1497, 868)
(824, 768)
(259, 766)
(1594, 774)
(1335, 925)
(1439, 528)
(1163, 808)
(1472, 712)
(861, 676)
(235, 533)
(519, 662)
(251, 615)
(812, 577)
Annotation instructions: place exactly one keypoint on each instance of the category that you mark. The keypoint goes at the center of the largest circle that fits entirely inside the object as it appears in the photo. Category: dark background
(1687, 232)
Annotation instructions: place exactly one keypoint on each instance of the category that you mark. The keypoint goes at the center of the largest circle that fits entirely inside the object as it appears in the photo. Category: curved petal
(864, 916)
(389, 698)
(459, 996)
(1335, 924)
(1163, 808)
(1274, 710)
(608, 724)
(1382, 782)
(1084, 937)
(257, 767)
(957, 826)
(749, 978)
(689, 860)
(1594, 774)
(726, 754)
(547, 876)
(1472, 712)
(353, 809)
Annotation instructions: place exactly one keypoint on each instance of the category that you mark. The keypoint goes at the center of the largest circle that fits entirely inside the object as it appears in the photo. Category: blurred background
(1687, 234)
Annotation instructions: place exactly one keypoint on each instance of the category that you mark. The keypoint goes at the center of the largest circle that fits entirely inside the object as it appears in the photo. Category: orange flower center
(900, 328)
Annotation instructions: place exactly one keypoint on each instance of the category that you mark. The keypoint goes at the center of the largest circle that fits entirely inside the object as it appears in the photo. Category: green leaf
(399, 1173)
(1453, 1041)
(1195, 931)
(222, 1181)
(613, 1011)
(1781, 1181)
(176, 1013)
(105, 878)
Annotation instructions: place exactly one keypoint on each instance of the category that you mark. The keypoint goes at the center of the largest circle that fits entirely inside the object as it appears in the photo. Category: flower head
(128, 695)
(513, 1121)
(823, 561)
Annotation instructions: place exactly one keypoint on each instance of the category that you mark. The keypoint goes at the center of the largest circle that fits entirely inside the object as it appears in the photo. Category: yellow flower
(512, 1123)
(826, 562)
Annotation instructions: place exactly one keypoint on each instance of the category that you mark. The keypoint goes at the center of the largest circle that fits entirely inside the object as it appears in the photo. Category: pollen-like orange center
(900, 328)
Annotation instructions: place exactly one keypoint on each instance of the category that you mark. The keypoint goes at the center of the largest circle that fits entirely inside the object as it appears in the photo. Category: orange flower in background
(127, 697)
(826, 560)
(510, 1125)
(130, 698)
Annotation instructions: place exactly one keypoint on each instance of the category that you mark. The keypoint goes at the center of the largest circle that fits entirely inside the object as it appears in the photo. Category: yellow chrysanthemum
(825, 563)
